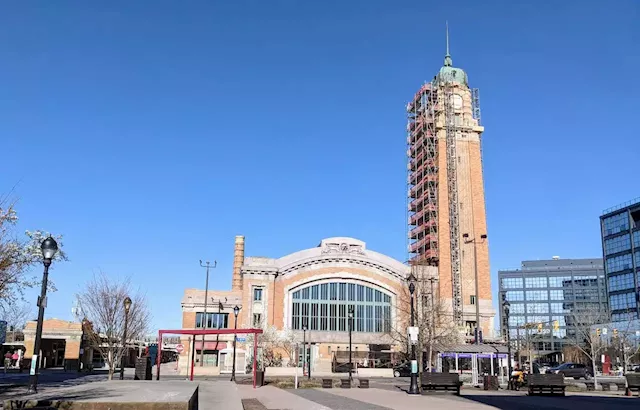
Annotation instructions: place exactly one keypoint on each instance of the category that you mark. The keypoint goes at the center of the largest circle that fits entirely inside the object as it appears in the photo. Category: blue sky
(151, 133)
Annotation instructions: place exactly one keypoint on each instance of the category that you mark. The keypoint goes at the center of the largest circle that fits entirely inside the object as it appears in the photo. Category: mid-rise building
(545, 297)
(621, 252)
(447, 224)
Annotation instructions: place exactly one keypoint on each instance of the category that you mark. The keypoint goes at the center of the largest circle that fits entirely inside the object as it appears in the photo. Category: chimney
(238, 260)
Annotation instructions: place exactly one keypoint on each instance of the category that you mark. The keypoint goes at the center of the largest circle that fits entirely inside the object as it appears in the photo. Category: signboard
(34, 360)
(413, 334)
(180, 348)
(241, 339)
(3, 331)
(414, 366)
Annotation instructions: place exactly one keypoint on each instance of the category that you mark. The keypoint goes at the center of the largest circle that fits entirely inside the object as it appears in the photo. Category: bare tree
(437, 331)
(16, 315)
(625, 340)
(17, 256)
(587, 337)
(101, 306)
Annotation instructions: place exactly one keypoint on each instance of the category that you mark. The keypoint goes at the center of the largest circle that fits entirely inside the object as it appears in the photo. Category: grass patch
(303, 383)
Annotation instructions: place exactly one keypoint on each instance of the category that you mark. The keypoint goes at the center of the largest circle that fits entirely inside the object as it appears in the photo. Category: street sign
(180, 348)
(241, 339)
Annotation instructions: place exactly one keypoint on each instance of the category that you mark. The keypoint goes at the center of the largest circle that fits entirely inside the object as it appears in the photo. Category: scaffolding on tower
(452, 189)
(422, 177)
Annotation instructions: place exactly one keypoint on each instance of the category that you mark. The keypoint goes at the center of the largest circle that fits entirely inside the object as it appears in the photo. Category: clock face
(457, 102)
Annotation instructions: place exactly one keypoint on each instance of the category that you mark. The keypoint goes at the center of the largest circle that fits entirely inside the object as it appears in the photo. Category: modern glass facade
(545, 296)
(621, 251)
(326, 307)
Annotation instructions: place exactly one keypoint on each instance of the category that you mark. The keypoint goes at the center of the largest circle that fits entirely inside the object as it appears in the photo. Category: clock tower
(446, 202)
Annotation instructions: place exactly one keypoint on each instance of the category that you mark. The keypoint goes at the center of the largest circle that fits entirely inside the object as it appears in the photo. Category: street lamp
(413, 387)
(350, 330)
(507, 307)
(304, 348)
(127, 306)
(475, 267)
(49, 247)
(204, 323)
(236, 310)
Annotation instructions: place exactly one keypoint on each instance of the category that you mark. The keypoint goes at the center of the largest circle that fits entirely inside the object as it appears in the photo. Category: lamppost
(507, 306)
(49, 247)
(304, 348)
(204, 320)
(413, 387)
(350, 330)
(127, 306)
(475, 267)
(236, 310)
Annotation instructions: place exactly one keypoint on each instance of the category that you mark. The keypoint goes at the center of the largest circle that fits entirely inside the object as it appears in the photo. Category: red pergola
(194, 333)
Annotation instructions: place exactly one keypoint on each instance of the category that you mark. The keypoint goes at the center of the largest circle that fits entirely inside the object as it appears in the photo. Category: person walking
(7, 361)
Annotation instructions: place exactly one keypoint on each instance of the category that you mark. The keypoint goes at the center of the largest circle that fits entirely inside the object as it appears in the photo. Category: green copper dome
(451, 74)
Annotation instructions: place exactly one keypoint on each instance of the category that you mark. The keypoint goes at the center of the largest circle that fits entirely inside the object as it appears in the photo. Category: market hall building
(313, 288)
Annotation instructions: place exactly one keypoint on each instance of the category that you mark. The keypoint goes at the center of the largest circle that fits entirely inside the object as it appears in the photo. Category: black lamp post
(125, 352)
(236, 310)
(304, 348)
(49, 247)
(350, 330)
(507, 306)
(413, 387)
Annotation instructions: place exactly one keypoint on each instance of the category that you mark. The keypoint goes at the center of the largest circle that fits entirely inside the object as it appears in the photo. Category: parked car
(575, 370)
(402, 370)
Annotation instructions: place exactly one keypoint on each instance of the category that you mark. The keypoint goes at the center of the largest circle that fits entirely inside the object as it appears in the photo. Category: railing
(622, 206)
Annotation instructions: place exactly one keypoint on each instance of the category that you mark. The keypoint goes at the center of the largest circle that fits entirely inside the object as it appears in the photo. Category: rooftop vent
(555, 258)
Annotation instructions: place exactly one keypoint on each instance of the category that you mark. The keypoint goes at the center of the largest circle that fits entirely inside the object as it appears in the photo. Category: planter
(259, 378)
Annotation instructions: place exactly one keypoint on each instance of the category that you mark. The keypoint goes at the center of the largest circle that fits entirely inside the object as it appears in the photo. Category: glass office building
(544, 296)
(621, 251)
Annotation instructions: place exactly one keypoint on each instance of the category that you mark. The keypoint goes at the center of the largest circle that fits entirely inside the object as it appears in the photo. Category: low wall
(365, 372)
(281, 371)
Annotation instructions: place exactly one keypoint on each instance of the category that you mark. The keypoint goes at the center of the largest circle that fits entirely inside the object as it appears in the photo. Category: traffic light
(598, 332)
(556, 324)
(539, 327)
(615, 332)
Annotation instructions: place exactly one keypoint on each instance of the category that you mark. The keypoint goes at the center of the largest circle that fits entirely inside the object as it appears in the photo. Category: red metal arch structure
(200, 332)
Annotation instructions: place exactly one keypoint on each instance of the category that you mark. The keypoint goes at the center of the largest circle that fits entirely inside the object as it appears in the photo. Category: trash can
(259, 378)
(143, 368)
(490, 382)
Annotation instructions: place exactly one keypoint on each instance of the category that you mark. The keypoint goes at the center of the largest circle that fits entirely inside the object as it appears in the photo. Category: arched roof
(342, 250)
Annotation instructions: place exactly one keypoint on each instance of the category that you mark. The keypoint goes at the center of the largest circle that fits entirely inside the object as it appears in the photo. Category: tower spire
(447, 58)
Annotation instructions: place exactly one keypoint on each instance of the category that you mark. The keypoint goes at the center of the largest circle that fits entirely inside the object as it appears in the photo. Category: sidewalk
(275, 398)
(402, 401)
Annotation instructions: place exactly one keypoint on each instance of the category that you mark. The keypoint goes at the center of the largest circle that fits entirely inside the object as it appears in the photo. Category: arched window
(325, 307)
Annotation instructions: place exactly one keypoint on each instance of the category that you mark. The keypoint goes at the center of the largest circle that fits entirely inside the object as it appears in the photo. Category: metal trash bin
(143, 368)
(490, 382)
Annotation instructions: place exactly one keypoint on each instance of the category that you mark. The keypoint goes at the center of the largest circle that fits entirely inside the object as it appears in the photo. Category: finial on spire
(447, 58)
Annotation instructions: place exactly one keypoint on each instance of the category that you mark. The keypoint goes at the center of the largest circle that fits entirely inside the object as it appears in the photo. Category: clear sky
(150, 133)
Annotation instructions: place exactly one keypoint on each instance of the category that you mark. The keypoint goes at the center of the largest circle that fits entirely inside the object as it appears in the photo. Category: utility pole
(204, 319)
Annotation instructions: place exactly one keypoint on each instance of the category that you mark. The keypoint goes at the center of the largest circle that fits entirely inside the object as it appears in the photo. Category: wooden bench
(633, 383)
(364, 383)
(327, 383)
(546, 384)
(441, 381)
(345, 383)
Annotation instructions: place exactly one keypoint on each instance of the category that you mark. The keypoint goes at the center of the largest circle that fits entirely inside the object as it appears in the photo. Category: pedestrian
(15, 359)
(7, 361)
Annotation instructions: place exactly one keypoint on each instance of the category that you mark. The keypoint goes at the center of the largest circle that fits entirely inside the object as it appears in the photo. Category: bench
(327, 383)
(621, 386)
(543, 384)
(364, 383)
(345, 383)
(441, 381)
(633, 383)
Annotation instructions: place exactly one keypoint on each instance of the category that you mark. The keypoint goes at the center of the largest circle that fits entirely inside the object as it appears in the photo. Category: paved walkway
(274, 398)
